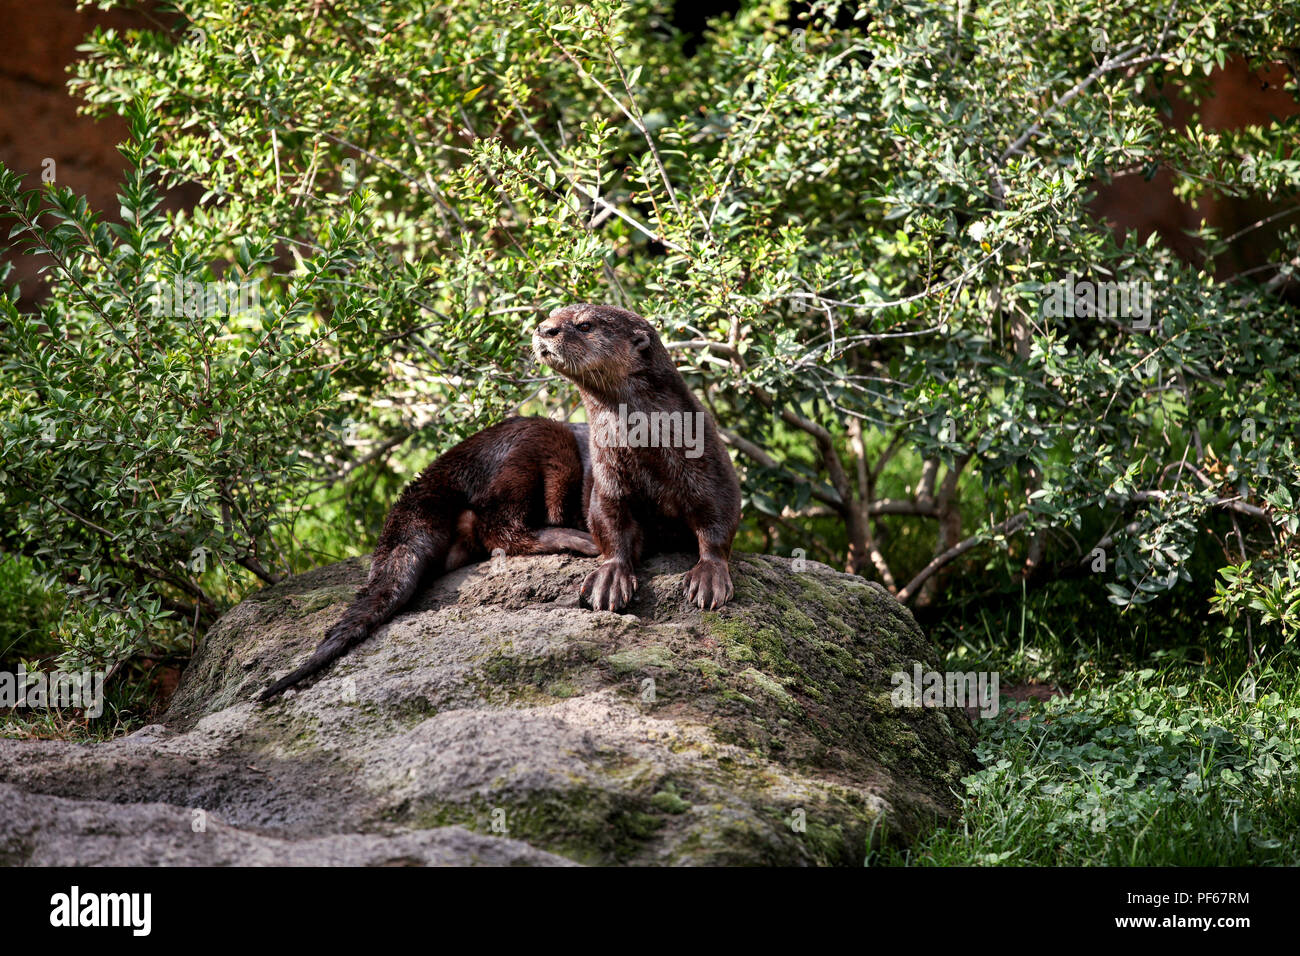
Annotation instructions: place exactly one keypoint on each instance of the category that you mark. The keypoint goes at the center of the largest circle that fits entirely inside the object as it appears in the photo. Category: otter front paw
(708, 584)
(609, 587)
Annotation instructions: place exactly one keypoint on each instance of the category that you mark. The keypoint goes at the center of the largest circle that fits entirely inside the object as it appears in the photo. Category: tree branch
(957, 550)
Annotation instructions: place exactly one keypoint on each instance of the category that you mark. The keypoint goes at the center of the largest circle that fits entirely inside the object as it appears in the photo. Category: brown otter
(517, 486)
(660, 477)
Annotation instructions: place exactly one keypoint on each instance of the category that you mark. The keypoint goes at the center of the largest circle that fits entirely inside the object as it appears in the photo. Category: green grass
(27, 611)
(1142, 772)
(1158, 754)
(130, 701)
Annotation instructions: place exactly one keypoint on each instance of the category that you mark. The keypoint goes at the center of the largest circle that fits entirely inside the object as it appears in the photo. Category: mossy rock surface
(497, 722)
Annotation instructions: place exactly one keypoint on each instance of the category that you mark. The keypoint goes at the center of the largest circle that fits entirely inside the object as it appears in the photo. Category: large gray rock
(496, 722)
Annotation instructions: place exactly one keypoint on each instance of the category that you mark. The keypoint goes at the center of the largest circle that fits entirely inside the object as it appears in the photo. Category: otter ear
(640, 340)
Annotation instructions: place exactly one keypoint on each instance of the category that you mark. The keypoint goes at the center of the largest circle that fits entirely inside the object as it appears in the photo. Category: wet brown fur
(642, 499)
(517, 486)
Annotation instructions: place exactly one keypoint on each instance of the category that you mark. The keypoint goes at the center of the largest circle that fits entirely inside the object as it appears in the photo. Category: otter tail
(394, 576)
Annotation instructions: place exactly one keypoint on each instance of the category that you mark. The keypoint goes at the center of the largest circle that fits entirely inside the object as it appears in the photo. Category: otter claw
(708, 585)
(609, 587)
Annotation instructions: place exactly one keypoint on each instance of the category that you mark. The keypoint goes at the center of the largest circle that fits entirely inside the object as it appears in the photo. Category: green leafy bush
(851, 227)
(156, 435)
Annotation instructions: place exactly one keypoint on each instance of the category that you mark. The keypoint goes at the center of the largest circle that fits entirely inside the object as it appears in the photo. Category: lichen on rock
(496, 721)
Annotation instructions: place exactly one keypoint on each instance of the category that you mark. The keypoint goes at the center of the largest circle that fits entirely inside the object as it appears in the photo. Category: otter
(644, 493)
(518, 486)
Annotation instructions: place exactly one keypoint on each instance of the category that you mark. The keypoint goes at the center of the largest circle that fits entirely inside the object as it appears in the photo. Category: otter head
(596, 346)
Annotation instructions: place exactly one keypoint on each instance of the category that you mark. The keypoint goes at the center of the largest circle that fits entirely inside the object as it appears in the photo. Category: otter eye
(583, 326)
